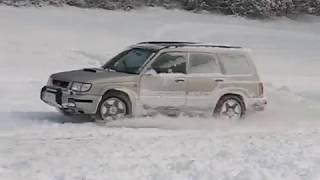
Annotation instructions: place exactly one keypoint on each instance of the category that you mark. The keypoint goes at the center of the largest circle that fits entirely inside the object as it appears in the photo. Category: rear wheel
(113, 106)
(230, 107)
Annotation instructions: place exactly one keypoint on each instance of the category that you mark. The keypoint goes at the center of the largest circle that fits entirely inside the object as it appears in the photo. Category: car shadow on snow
(55, 117)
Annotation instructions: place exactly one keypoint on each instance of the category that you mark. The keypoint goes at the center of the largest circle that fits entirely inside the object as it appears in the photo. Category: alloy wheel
(113, 109)
(231, 109)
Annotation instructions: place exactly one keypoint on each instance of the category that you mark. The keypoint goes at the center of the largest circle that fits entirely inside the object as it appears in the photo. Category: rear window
(203, 63)
(235, 64)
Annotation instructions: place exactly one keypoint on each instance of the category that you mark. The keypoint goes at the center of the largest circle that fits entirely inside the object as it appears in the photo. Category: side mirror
(150, 72)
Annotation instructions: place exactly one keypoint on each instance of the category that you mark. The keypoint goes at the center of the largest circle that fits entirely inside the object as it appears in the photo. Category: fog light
(68, 105)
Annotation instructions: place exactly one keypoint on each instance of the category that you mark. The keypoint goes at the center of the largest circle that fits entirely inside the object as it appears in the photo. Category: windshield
(129, 61)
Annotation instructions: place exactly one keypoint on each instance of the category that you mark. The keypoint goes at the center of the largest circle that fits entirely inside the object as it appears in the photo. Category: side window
(171, 62)
(235, 64)
(203, 63)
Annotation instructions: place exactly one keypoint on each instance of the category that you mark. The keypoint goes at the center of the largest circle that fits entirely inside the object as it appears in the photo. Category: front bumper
(69, 100)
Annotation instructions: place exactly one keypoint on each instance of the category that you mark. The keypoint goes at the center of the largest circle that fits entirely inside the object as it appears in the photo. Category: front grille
(59, 83)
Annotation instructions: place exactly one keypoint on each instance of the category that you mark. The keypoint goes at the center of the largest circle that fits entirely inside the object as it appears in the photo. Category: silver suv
(161, 77)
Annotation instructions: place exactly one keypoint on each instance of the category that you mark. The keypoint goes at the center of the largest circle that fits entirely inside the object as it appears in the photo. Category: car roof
(159, 45)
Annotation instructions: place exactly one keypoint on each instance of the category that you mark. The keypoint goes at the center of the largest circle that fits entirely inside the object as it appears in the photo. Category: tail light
(261, 89)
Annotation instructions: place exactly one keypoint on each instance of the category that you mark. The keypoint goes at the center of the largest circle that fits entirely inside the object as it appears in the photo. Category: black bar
(59, 96)
(80, 100)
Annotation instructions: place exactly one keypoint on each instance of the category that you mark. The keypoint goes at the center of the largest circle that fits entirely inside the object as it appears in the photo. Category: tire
(230, 107)
(108, 111)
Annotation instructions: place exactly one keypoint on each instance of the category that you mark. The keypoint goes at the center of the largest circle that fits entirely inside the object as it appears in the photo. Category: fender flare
(131, 94)
(233, 91)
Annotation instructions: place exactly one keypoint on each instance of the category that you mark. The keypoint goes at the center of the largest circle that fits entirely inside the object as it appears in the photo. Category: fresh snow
(282, 143)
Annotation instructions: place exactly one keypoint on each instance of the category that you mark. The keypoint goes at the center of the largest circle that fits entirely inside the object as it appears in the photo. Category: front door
(164, 83)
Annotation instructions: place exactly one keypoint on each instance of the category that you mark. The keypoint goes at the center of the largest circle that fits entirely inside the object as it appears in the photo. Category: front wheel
(230, 107)
(113, 106)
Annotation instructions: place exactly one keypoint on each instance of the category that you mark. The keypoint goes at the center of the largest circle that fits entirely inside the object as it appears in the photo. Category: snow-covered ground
(282, 143)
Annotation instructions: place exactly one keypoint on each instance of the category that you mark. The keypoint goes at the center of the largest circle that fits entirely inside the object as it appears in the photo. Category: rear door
(204, 76)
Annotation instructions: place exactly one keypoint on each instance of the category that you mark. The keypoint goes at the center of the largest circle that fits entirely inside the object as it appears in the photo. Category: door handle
(219, 80)
(179, 80)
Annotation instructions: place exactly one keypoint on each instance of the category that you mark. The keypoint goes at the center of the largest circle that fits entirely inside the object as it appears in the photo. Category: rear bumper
(258, 104)
(70, 101)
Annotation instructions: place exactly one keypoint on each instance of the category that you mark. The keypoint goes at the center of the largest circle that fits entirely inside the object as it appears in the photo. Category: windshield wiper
(127, 72)
(110, 68)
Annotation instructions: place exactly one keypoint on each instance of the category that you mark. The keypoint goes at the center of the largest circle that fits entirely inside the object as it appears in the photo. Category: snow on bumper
(258, 104)
(68, 100)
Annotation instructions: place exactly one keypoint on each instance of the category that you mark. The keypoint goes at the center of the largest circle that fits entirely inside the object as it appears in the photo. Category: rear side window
(203, 63)
(235, 64)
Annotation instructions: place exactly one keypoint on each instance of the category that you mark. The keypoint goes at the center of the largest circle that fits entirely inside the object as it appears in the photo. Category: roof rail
(175, 44)
(167, 42)
(204, 45)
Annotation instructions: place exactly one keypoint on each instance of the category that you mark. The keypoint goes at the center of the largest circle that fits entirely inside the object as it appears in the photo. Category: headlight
(80, 87)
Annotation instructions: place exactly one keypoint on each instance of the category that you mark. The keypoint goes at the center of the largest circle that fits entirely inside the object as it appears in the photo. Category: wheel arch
(241, 95)
(115, 90)
(132, 96)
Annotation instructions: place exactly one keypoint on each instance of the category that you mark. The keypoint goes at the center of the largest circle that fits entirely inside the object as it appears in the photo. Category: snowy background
(282, 143)
(247, 8)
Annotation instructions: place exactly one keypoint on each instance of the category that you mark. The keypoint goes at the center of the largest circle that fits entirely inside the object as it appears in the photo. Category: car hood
(94, 75)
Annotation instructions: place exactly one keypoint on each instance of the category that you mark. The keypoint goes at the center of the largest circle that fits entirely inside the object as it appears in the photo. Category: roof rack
(205, 45)
(167, 42)
(173, 44)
